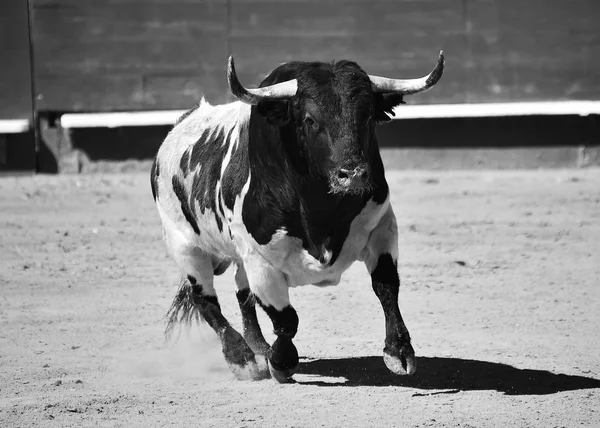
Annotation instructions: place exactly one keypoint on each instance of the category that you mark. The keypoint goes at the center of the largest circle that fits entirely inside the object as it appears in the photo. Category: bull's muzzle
(353, 180)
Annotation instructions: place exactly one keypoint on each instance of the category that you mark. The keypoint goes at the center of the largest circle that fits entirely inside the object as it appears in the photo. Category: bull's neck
(275, 154)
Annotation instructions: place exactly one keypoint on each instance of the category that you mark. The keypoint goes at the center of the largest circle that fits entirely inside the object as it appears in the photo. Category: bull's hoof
(283, 360)
(402, 362)
(240, 358)
(282, 376)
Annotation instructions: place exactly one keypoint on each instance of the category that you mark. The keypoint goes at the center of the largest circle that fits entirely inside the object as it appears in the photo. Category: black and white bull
(286, 184)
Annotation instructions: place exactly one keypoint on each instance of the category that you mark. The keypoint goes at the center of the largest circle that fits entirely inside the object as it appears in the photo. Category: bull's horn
(409, 86)
(278, 91)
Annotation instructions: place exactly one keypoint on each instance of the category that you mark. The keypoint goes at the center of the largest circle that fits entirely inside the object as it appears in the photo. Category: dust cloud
(195, 353)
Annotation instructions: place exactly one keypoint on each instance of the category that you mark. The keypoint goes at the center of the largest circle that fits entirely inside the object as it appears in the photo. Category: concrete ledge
(121, 119)
(14, 126)
(552, 108)
(548, 140)
(434, 111)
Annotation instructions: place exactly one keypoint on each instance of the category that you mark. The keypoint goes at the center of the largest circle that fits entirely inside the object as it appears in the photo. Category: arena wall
(132, 55)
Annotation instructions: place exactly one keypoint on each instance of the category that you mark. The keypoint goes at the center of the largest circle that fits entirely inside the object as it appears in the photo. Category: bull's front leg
(398, 354)
(270, 289)
(381, 258)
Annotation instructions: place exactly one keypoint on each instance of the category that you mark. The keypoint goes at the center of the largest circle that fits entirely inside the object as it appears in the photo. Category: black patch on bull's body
(154, 173)
(236, 172)
(179, 190)
(205, 158)
(381, 189)
(184, 163)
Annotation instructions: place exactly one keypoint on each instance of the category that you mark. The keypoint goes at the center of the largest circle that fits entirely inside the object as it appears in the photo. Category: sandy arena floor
(500, 290)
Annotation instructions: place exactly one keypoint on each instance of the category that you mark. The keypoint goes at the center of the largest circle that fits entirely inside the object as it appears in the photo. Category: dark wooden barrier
(93, 55)
(532, 50)
(16, 148)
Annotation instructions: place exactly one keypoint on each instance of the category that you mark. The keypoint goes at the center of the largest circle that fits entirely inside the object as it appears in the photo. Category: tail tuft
(182, 310)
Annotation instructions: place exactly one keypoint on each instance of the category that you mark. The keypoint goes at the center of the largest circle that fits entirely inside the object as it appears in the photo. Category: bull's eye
(311, 123)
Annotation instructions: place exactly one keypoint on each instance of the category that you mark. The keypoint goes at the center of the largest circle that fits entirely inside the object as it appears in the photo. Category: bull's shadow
(450, 374)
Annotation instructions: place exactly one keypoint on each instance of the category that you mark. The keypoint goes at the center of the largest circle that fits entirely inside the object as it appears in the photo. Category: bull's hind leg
(197, 296)
(252, 332)
(381, 260)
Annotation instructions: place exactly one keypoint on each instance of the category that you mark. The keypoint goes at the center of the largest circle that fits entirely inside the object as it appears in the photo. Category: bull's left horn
(409, 86)
(278, 91)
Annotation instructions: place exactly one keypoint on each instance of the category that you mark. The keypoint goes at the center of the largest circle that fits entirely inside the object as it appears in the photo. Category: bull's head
(334, 109)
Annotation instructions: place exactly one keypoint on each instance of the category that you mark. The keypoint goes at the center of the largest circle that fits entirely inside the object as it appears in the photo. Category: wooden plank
(124, 55)
(15, 77)
(345, 18)
(174, 92)
(540, 51)
(63, 4)
(131, 57)
(156, 39)
(256, 56)
(396, 39)
(426, 4)
(89, 93)
(123, 93)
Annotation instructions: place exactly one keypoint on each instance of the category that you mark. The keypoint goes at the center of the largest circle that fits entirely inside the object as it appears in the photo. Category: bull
(288, 186)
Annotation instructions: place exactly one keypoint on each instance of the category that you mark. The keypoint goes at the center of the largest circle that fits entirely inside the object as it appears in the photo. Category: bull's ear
(384, 106)
(277, 112)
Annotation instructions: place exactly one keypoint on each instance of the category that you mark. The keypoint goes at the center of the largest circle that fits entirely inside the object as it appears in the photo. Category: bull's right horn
(279, 91)
(409, 86)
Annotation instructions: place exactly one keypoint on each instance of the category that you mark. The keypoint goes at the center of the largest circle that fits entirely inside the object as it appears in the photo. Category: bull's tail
(182, 312)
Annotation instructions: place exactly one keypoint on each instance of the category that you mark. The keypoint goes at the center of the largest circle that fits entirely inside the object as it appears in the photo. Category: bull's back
(197, 173)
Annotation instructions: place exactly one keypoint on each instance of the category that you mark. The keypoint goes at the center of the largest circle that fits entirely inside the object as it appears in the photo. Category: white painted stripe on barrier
(115, 120)
(169, 117)
(14, 126)
(557, 108)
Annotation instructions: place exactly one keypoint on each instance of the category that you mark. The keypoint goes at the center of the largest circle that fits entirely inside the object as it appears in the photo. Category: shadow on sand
(451, 374)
